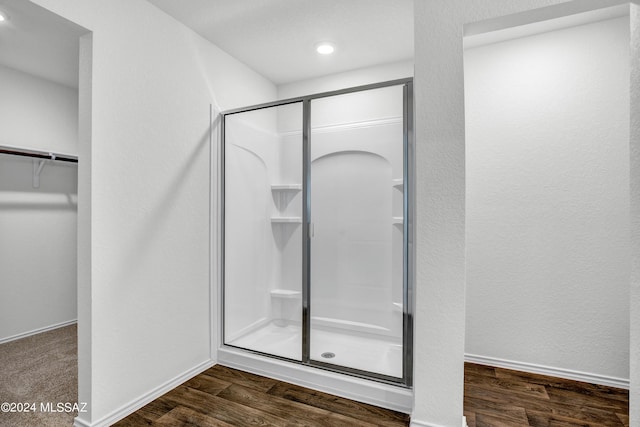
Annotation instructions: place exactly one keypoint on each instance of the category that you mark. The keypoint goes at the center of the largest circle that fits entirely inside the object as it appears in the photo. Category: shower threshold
(384, 395)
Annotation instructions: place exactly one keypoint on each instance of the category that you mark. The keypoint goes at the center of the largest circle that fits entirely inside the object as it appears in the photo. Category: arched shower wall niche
(317, 248)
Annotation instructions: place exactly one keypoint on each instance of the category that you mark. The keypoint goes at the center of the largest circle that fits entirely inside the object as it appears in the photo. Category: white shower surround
(274, 234)
(352, 139)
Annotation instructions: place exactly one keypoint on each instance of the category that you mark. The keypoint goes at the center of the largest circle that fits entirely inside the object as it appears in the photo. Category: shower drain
(328, 355)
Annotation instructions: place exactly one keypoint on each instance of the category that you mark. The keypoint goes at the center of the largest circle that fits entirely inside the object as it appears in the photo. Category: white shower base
(361, 351)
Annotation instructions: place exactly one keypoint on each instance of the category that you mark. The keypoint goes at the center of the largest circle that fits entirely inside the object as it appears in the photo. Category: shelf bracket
(37, 169)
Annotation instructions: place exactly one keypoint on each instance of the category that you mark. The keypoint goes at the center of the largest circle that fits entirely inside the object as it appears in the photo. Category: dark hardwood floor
(500, 397)
(227, 397)
(494, 397)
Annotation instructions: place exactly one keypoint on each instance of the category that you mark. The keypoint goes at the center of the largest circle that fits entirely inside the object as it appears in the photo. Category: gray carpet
(39, 369)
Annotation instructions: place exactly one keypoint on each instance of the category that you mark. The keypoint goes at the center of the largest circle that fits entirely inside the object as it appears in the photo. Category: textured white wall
(38, 226)
(634, 299)
(148, 174)
(36, 113)
(547, 131)
(38, 246)
(440, 288)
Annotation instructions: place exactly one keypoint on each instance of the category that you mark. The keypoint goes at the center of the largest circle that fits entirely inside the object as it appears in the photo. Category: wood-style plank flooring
(494, 397)
(500, 397)
(223, 396)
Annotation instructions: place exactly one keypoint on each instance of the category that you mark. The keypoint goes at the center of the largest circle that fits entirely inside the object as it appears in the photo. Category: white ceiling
(277, 38)
(39, 42)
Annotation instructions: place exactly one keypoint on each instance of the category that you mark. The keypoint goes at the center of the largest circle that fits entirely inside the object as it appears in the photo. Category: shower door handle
(311, 230)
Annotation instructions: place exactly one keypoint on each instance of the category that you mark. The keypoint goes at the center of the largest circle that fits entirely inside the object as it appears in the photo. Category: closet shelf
(286, 187)
(39, 159)
(286, 220)
(38, 154)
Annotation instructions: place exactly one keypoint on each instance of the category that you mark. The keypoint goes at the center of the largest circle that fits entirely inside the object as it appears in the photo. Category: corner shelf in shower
(285, 293)
(285, 193)
(286, 187)
(286, 220)
(398, 184)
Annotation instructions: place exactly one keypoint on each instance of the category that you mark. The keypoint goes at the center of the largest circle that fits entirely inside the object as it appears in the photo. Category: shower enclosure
(317, 226)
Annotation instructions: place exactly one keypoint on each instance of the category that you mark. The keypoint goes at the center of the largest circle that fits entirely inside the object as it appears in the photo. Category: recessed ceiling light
(2, 17)
(325, 48)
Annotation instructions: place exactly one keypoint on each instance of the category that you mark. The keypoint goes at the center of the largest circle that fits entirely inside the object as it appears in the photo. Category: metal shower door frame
(408, 229)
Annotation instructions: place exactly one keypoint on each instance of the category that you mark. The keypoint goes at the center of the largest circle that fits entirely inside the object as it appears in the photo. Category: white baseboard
(134, 405)
(550, 371)
(416, 423)
(77, 422)
(38, 331)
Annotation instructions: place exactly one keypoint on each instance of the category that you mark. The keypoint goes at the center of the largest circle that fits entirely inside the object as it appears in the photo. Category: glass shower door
(263, 230)
(357, 231)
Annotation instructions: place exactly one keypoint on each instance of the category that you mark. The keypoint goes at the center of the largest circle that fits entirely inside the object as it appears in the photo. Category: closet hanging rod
(14, 151)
